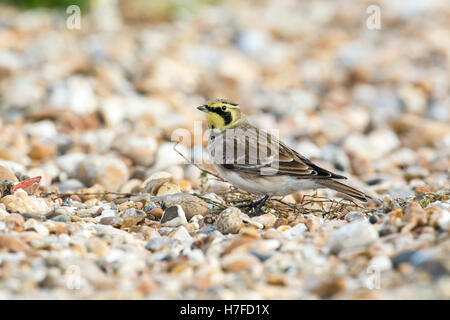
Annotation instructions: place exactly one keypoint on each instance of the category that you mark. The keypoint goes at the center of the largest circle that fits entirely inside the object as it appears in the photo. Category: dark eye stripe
(226, 115)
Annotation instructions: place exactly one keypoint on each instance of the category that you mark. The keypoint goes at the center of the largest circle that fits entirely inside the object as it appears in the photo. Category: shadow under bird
(255, 161)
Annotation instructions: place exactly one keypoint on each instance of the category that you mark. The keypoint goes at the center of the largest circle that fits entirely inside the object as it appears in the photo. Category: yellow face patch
(215, 121)
(221, 114)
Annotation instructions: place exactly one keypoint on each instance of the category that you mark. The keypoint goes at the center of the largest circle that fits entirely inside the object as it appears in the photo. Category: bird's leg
(257, 205)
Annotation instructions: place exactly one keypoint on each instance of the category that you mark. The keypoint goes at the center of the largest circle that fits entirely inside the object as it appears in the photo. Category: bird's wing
(256, 152)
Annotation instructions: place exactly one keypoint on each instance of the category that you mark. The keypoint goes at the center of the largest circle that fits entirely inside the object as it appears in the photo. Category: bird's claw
(256, 205)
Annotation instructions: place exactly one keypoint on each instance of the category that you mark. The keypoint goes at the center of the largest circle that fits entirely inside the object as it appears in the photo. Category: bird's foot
(256, 206)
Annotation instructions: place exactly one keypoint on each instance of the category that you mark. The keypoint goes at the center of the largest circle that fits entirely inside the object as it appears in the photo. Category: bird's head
(222, 114)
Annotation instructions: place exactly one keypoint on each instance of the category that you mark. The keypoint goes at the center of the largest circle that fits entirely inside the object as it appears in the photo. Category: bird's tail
(338, 186)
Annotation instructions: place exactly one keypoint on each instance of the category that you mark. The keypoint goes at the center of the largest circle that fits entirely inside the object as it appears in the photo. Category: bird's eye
(224, 108)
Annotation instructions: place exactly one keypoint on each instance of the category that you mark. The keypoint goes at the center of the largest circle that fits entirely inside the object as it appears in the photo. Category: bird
(253, 160)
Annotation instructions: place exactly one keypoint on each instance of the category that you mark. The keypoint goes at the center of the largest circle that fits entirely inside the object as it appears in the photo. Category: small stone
(140, 149)
(173, 217)
(330, 287)
(229, 221)
(107, 171)
(156, 212)
(354, 215)
(125, 205)
(267, 220)
(68, 163)
(415, 172)
(158, 243)
(13, 243)
(297, 230)
(195, 222)
(271, 234)
(250, 232)
(6, 174)
(181, 234)
(156, 180)
(168, 188)
(216, 186)
(373, 219)
(208, 229)
(191, 205)
(14, 221)
(40, 151)
(23, 203)
(61, 218)
(149, 206)
(112, 221)
(98, 247)
(70, 185)
(352, 235)
(132, 217)
(239, 262)
(32, 224)
(131, 186)
(283, 228)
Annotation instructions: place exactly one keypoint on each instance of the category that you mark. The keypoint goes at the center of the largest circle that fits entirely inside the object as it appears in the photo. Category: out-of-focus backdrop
(358, 86)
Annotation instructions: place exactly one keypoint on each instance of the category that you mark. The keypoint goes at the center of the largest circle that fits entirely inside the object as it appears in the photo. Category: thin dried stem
(198, 167)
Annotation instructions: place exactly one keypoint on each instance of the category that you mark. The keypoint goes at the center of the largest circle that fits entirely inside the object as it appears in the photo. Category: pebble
(107, 171)
(158, 243)
(32, 224)
(354, 215)
(191, 205)
(6, 174)
(266, 220)
(173, 216)
(229, 221)
(113, 221)
(14, 221)
(239, 262)
(13, 243)
(23, 203)
(168, 188)
(181, 234)
(352, 235)
(131, 186)
(373, 219)
(68, 163)
(131, 217)
(156, 212)
(296, 231)
(140, 149)
(155, 181)
(70, 185)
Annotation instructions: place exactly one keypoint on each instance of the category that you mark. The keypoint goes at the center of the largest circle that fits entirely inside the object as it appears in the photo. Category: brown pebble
(330, 287)
(112, 221)
(126, 205)
(15, 222)
(276, 279)
(238, 262)
(6, 174)
(157, 213)
(13, 243)
(250, 232)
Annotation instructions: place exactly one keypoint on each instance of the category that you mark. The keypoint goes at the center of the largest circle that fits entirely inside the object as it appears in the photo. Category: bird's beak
(202, 108)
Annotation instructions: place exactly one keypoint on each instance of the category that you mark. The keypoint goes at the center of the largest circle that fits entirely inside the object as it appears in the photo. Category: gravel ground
(119, 214)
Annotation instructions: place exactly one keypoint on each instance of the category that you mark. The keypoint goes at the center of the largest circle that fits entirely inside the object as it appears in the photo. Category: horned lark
(256, 161)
